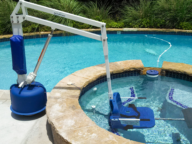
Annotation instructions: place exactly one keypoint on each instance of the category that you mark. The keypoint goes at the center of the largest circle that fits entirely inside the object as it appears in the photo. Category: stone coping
(177, 67)
(68, 121)
(108, 29)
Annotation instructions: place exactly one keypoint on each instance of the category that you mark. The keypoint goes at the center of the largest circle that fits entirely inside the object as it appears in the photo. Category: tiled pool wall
(166, 73)
(113, 76)
(178, 75)
(135, 73)
(4, 38)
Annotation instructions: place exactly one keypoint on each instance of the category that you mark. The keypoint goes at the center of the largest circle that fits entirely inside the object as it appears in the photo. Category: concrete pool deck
(16, 129)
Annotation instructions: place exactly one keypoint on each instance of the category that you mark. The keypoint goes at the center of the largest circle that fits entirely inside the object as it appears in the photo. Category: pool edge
(4, 38)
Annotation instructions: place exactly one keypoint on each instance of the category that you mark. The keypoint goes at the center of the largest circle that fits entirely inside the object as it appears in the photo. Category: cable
(164, 50)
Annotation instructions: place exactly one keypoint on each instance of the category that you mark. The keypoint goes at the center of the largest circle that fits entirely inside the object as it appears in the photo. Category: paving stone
(2, 101)
(4, 94)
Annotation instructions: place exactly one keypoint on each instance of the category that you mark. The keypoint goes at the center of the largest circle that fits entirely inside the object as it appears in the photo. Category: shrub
(185, 25)
(139, 14)
(113, 24)
(70, 6)
(115, 13)
(173, 12)
(6, 8)
(97, 10)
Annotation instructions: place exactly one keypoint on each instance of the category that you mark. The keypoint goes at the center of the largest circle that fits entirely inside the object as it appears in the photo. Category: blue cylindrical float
(152, 73)
(18, 54)
(28, 100)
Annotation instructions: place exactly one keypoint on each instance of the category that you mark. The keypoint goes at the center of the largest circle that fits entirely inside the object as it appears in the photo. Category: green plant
(6, 8)
(116, 14)
(70, 6)
(173, 12)
(81, 25)
(97, 10)
(113, 24)
(185, 25)
(138, 14)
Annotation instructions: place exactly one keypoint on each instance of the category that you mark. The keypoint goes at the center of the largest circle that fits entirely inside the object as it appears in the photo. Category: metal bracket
(105, 39)
(17, 19)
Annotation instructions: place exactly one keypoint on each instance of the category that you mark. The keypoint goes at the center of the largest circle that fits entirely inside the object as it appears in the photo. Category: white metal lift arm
(54, 25)
(63, 14)
(17, 20)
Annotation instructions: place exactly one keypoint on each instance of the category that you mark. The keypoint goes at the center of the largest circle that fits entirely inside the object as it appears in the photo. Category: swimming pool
(156, 93)
(66, 55)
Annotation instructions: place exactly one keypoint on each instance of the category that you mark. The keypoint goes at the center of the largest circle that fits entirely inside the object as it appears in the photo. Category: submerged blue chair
(122, 117)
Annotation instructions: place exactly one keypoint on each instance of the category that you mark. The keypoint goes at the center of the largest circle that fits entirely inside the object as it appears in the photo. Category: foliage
(70, 6)
(139, 15)
(185, 25)
(159, 14)
(115, 13)
(97, 10)
(6, 8)
(113, 24)
(173, 12)
(33, 27)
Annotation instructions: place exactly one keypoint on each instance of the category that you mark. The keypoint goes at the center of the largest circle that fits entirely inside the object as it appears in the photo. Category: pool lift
(29, 97)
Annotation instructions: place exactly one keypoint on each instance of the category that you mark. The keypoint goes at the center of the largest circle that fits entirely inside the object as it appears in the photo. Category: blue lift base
(29, 100)
(27, 114)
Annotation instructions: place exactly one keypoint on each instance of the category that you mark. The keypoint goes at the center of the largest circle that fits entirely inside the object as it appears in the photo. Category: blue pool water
(166, 132)
(66, 55)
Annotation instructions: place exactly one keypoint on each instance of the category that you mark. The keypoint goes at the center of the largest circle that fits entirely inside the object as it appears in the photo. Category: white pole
(17, 29)
(105, 51)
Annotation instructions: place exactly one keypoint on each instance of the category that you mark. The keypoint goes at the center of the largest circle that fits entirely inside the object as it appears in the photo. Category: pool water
(155, 91)
(66, 55)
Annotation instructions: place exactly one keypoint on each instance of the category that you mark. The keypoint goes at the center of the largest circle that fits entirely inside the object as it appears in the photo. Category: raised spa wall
(69, 122)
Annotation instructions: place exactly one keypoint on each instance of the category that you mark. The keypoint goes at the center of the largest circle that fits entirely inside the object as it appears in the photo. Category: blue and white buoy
(152, 73)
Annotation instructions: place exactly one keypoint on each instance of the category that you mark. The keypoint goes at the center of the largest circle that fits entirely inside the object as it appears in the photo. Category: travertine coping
(177, 67)
(108, 29)
(69, 122)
